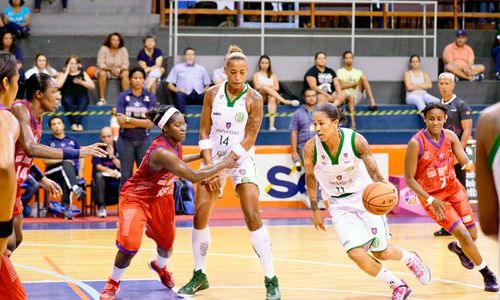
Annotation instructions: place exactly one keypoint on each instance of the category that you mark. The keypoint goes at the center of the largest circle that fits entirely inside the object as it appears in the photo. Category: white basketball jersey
(229, 120)
(343, 173)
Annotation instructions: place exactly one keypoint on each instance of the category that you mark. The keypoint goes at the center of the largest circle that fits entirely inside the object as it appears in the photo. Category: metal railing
(174, 12)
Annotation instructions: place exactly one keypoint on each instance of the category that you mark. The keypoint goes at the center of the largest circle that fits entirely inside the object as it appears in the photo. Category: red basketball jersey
(23, 162)
(147, 184)
(435, 162)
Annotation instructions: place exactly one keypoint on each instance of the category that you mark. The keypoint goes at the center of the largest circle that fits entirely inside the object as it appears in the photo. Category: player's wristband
(430, 200)
(6, 228)
(205, 144)
(36, 173)
(240, 151)
(71, 153)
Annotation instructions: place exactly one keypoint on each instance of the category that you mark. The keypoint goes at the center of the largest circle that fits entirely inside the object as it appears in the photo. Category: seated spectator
(106, 171)
(219, 76)
(324, 81)
(265, 81)
(112, 63)
(458, 58)
(41, 66)
(17, 18)
(64, 172)
(38, 5)
(495, 52)
(354, 84)
(150, 59)
(135, 128)
(188, 81)
(74, 85)
(9, 45)
(417, 82)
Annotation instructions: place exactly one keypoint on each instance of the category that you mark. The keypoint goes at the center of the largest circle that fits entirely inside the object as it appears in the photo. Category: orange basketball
(92, 71)
(380, 198)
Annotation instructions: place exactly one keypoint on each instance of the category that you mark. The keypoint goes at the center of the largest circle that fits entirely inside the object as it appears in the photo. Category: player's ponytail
(235, 53)
(162, 116)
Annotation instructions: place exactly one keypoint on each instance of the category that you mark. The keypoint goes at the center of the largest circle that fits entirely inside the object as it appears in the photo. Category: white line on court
(290, 260)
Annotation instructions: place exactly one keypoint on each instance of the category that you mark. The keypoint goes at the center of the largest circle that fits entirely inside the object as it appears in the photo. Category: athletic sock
(386, 276)
(117, 273)
(406, 257)
(161, 261)
(200, 242)
(261, 242)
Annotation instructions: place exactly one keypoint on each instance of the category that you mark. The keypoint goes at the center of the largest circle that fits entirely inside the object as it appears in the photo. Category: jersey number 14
(224, 141)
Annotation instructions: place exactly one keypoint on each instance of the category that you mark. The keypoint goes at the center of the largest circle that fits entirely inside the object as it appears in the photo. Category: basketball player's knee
(464, 237)
(357, 255)
(253, 220)
(381, 255)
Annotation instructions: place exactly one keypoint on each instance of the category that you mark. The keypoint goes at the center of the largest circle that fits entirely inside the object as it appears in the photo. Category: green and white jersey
(494, 163)
(229, 120)
(342, 173)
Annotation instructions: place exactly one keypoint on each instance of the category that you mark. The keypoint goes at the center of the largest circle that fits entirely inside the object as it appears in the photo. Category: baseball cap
(461, 32)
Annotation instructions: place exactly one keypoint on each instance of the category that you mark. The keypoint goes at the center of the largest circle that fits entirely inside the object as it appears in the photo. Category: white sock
(200, 240)
(117, 273)
(261, 242)
(386, 276)
(481, 266)
(406, 257)
(161, 261)
(74, 188)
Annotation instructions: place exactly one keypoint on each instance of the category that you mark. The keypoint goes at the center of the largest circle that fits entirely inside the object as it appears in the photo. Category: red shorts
(10, 285)
(18, 205)
(458, 207)
(157, 215)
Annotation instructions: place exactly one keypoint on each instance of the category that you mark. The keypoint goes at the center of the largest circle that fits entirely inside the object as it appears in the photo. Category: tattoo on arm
(254, 120)
(368, 159)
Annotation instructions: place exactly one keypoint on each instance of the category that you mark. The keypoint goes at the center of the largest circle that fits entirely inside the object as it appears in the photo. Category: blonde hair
(234, 53)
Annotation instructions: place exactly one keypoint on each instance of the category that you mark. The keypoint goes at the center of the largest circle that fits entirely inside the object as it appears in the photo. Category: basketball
(379, 198)
(92, 70)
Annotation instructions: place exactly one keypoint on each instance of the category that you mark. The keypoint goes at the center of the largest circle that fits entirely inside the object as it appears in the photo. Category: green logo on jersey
(246, 179)
(239, 117)
(376, 243)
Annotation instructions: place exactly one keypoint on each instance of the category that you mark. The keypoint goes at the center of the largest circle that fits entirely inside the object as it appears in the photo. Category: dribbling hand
(317, 220)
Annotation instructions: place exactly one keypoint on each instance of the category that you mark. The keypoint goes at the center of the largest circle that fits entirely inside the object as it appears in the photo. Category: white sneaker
(272, 128)
(102, 213)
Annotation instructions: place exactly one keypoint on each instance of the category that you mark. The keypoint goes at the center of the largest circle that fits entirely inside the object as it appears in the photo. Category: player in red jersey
(42, 96)
(429, 172)
(10, 285)
(146, 199)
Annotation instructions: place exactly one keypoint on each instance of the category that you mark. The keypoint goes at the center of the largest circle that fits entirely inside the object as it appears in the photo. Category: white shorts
(357, 227)
(245, 173)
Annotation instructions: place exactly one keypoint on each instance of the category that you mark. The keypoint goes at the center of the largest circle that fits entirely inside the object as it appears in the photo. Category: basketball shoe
(466, 262)
(110, 290)
(490, 282)
(417, 266)
(165, 276)
(401, 292)
(198, 282)
(272, 288)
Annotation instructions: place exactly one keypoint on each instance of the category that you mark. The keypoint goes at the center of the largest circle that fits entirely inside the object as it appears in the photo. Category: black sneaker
(490, 282)
(442, 232)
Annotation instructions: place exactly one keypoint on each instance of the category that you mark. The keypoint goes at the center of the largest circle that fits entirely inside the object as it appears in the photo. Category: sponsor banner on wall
(279, 180)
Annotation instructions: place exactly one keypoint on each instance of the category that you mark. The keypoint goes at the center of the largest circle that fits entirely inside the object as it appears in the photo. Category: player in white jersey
(488, 169)
(339, 159)
(230, 120)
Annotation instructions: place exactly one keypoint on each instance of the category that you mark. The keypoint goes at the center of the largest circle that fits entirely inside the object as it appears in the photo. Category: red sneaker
(165, 276)
(110, 289)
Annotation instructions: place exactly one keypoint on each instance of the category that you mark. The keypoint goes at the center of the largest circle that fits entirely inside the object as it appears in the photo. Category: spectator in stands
(150, 59)
(9, 45)
(38, 5)
(459, 120)
(64, 172)
(265, 81)
(135, 129)
(74, 84)
(458, 58)
(112, 63)
(354, 84)
(219, 76)
(17, 18)
(417, 82)
(188, 81)
(106, 171)
(324, 81)
(41, 66)
(495, 52)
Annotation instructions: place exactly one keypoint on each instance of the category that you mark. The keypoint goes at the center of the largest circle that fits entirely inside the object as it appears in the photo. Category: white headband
(166, 116)
(447, 75)
(236, 55)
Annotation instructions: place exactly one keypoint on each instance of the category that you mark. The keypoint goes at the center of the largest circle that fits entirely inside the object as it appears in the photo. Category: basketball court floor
(72, 260)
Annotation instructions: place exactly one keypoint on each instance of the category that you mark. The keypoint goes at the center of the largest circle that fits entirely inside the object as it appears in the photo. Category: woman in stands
(230, 120)
(417, 82)
(41, 66)
(147, 198)
(265, 81)
(9, 45)
(17, 18)
(74, 84)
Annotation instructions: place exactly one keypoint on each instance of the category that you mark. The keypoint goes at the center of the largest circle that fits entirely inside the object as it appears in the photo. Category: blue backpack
(183, 197)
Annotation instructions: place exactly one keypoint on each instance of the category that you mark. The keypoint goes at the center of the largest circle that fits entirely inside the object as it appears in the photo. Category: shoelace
(399, 291)
(417, 267)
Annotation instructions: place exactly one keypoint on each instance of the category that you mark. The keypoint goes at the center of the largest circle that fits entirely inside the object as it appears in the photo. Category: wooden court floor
(309, 264)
